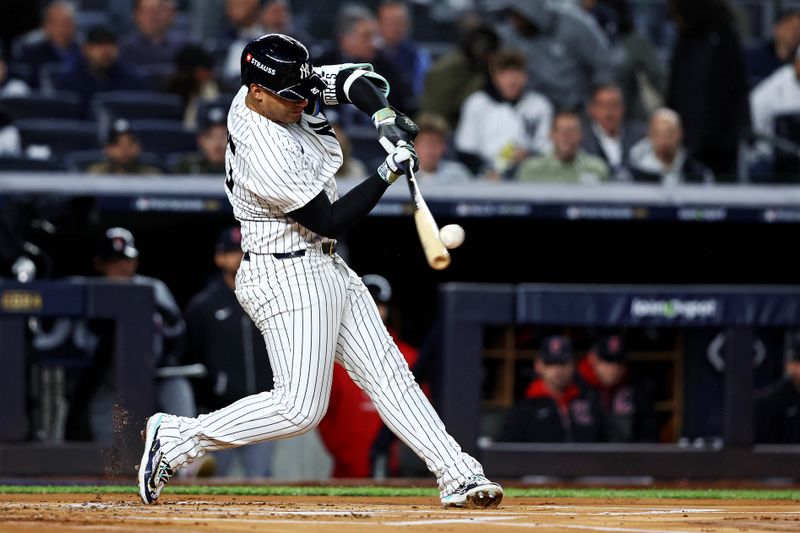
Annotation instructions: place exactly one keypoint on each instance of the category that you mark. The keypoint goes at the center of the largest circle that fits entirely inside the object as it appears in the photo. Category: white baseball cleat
(476, 491)
(154, 471)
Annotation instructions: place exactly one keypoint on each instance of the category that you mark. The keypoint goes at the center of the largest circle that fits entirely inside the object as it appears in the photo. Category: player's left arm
(358, 84)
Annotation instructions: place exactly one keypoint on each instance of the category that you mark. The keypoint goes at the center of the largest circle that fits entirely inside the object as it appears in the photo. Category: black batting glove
(394, 128)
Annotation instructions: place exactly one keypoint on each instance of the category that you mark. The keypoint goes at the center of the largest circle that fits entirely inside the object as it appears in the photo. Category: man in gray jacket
(567, 53)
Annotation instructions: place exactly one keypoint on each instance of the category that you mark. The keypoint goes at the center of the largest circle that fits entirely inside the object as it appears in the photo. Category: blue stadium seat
(60, 135)
(9, 163)
(155, 76)
(49, 73)
(39, 105)
(164, 137)
(366, 148)
(86, 18)
(136, 105)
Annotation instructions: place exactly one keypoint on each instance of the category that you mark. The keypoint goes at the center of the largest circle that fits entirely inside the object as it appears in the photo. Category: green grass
(266, 490)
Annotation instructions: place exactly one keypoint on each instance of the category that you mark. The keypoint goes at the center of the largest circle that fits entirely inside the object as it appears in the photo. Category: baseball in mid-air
(452, 236)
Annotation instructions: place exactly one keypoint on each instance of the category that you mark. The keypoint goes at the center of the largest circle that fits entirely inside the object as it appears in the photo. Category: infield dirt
(179, 513)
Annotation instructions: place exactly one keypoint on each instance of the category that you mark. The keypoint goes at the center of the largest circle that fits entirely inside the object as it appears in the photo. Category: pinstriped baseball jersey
(273, 169)
(312, 309)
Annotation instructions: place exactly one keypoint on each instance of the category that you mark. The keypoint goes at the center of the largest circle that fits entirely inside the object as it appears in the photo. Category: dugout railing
(131, 309)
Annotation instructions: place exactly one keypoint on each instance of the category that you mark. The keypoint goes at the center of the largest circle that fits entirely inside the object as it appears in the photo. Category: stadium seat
(155, 76)
(38, 105)
(85, 19)
(366, 149)
(49, 73)
(136, 105)
(164, 137)
(60, 135)
(80, 161)
(8, 163)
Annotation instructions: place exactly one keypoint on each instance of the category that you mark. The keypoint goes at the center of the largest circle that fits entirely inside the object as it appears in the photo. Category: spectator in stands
(458, 74)
(778, 94)
(99, 68)
(122, 151)
(116, 259)
(638, 67)
(212, 139)
(412, 61)
(661, 156)
(555, 409)
(766, 57)
(57, 46)
(352, 423)
(224, 339)
(431, 146)
(10, 144)
(243, 17)
(351, 167)
(193, 80)
(777, 409)
(151, 46)
(504, 123)
(626, 399)
(566, 51)
(567, 162)
(707, 86)
(357, 42)
(276, 17)
(608, 135)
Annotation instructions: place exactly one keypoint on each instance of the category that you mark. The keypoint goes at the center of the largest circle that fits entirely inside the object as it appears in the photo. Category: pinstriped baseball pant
(313, 310)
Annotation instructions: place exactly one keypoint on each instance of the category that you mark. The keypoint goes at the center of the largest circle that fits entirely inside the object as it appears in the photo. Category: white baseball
(452, 236)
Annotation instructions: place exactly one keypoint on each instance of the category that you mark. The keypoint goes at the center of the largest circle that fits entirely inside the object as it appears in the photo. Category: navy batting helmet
(281, 65)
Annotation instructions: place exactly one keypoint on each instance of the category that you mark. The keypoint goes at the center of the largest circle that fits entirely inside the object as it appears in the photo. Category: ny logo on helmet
(305, 70)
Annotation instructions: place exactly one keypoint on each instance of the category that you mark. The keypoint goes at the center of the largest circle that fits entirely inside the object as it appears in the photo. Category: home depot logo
(674, 308)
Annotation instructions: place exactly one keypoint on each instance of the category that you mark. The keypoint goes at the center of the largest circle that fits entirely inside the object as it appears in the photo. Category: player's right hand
(398, 162)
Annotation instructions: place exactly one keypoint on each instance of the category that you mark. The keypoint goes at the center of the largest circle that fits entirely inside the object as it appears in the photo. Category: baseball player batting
(310, 306)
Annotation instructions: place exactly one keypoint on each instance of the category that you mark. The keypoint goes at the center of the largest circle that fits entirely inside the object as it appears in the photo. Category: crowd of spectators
(502, 79)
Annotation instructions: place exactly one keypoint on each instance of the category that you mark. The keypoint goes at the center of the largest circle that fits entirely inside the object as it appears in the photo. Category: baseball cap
(610, 349)
(229, 240)
(213, 116)
(117, 243)
(379, 287)
(119, 127)
(100, 34)
(556, 349)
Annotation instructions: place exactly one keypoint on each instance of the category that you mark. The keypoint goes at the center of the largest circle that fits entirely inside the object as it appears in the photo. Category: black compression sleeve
(362, 93)
(331, 219)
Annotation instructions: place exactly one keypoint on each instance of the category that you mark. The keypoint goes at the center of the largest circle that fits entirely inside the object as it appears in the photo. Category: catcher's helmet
(281, 65)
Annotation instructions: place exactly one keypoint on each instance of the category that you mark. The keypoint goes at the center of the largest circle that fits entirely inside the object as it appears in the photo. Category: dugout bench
(468, 309)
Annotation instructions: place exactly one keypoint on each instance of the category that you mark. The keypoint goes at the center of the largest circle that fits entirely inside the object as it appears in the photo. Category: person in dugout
(555, 408)
(626, 398)
(352, 424)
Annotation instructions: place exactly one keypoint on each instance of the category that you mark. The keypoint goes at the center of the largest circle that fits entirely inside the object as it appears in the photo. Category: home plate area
(56, 513)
